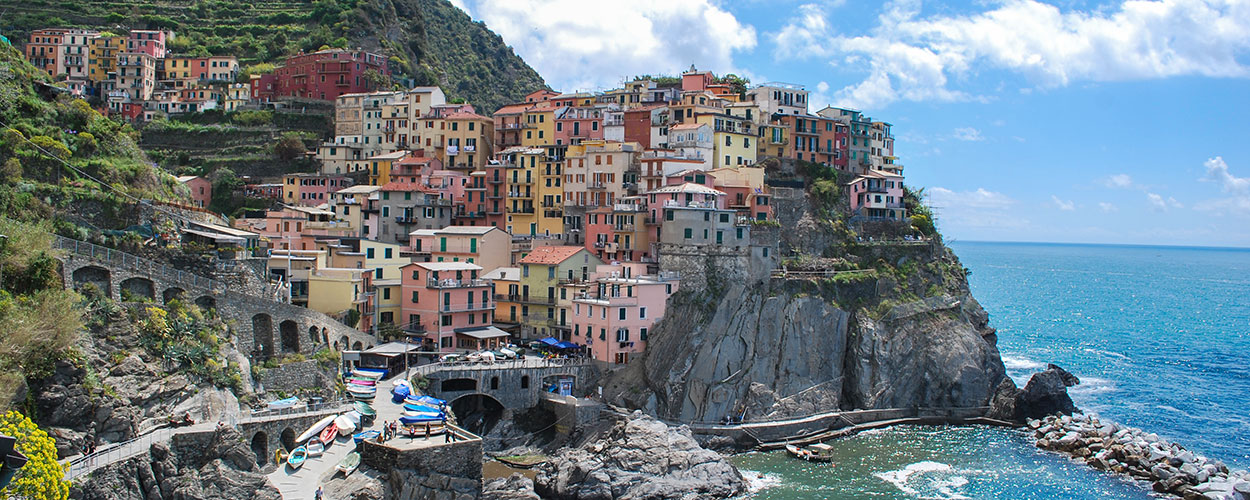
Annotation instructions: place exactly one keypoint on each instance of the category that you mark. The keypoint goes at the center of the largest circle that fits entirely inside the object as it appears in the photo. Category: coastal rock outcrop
(515, 487)
(1169, 467)
(214, 466)
(643, 458)
(1045, 394)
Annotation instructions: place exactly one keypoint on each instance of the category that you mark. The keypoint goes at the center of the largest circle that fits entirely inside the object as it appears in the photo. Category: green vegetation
(187, 341)
(922, 218)
(42, 478)
(40, 320)
(428, 42)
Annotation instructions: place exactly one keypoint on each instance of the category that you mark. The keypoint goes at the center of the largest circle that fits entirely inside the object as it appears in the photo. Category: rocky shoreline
(1171, 469)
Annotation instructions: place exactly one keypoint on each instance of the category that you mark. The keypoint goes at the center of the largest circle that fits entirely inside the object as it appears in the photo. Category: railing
(152, 269)
(508, 297)
(296, 411)
(455, 283)
(464, 307)
(824, 273)
(521, 210)
(594, 185)
(538, 300)
(116, 453)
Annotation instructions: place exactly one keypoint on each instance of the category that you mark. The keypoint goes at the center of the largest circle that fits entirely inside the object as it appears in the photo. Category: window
(551, 272)
(668, 215)
(446, 320)
(621, 314)
(369, 253)
(689, 233)
(415, 297)
(525, 270)
(642, 334)
(603, 334)
(386, 253)
(386, 294)
(642, 313)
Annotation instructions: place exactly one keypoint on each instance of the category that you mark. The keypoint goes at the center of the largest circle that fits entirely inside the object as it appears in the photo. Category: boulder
(516, 487)
(639, 458)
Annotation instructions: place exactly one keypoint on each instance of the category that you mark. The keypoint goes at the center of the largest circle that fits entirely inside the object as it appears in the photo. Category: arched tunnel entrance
(288, 438)
(477, 413)
(260, 446)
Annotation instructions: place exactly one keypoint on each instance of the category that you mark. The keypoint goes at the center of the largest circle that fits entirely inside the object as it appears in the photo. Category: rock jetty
(1170, 468)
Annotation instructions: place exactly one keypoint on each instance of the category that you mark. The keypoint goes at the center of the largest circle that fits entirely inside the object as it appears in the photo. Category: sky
(1023, 120)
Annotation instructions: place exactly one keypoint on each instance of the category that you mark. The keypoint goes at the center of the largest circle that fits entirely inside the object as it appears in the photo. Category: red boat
(327, 435)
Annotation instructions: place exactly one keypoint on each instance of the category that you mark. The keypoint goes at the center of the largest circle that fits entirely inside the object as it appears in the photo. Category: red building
(148, 42)
(327, 74)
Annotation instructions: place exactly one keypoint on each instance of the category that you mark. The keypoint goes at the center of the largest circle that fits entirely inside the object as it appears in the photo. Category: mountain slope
(429, 41)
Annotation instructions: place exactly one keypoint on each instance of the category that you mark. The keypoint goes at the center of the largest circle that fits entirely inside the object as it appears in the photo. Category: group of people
(390, 430)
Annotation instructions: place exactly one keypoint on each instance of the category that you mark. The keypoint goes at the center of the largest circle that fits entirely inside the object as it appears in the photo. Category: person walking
(318, 493)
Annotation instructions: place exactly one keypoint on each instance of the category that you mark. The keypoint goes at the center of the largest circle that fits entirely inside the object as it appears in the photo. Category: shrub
(42, 478)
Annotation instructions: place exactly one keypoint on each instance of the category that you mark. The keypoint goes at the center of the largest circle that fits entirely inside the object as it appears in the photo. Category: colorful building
(442, 301)
(327, 74)
(201, 189)
(614, 316)
(543, 270)
(311, 189)
(485, 246)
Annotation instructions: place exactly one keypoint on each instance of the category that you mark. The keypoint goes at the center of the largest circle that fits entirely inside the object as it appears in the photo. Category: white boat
(399, 381)
(315, 429)
(345, 425)
(353, 416)
(315, 448)
(362, 389)
(509, 353)
(372, 375)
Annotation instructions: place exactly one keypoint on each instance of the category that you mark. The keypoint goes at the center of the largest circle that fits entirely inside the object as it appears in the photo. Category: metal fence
(297, 410)
(122, 260)
(116, 453)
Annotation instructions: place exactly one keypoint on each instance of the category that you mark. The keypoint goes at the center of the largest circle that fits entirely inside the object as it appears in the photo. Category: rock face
(1045, 394)
(784, 350)
(639, 458)
(516, 487)
(215, 466)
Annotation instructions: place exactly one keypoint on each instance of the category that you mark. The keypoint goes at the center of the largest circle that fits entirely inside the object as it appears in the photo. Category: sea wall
(1169, 467)
(298, 375)
(449, 471)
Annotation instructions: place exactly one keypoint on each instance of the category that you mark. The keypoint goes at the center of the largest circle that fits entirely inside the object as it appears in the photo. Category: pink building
(327, 74)
(618, 310)
(877, 194)
(150, 42)
(448, 304)
(201, 189)
(574, 125)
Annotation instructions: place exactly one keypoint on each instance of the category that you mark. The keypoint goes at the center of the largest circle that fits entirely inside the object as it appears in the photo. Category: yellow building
(538, 127)
(468, 140)
(521, 169)
(734, 140)
(103, 61)
(334, 290)
(542, 272)
(380, 167)
(507, 282)
(550, 196)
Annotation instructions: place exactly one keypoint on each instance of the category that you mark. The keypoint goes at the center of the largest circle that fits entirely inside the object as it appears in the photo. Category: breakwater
(1170, 468)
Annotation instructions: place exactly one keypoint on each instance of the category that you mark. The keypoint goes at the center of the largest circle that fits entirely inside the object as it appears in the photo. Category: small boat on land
(315, 448)
(365, 436)
(297, 458)
(279, 456)
(283, 404)
(425, 400)
(344, 425)
(349, 463)
(327, 434)
(361, 392)
(367, 373)
(421, 408)
(818, 452)
(364, 409)
(422, 419)
(315, 429)
(362, 382)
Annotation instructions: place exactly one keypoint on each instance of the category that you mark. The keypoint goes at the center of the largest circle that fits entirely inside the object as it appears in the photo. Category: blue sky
(1063, 121)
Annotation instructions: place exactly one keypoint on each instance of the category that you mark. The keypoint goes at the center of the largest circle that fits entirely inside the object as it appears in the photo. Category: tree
(376, 81)
(737, 84)
(289, 147)
(42, 478)
(11, 171)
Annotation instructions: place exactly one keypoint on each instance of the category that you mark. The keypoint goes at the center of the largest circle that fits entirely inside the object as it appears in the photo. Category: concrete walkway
(81, 465)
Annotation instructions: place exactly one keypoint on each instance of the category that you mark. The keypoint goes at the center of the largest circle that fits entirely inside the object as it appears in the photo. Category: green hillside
(428, 41)
(36, 120)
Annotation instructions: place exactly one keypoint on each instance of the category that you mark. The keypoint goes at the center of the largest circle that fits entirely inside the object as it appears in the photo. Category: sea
(1159, 336)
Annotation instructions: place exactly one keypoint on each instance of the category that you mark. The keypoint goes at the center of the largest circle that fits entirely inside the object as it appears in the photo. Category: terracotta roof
(462, 115)
(687, 125)
(550, 254)
(408, 186)
(512, 108)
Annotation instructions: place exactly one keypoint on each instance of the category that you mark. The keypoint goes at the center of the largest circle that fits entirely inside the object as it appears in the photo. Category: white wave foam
(1018, 363)
(1112, 354)
(1093, 385)
(757, 481)
(941, 482)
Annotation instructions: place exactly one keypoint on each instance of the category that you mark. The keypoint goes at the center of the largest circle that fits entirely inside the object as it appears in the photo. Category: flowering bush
(42, 478)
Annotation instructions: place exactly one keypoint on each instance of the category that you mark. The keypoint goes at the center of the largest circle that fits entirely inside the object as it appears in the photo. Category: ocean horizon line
(1117, 245)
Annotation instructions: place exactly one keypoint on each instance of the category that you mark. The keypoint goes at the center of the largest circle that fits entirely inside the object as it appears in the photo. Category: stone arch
(288, 439)
(139, 286)
(262, 335)
(356, 346)
(494, 383)
(95, 275)
(260, 446)
(172, 293)
(325, 336)
(206, 302)
(458, 385)
(313, 335)
(289, 332)
(478, 413)
(344, 342)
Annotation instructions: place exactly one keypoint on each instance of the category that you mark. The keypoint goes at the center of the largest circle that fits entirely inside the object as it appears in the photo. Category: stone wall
(723, 264)
(291, 377)
(451, 471)
(509, 391)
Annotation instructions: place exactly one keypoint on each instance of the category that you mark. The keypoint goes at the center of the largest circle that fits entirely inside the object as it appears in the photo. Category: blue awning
(567, 345)
(551, 341)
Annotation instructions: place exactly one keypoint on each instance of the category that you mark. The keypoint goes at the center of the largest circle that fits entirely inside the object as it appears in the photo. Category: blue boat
(407, 420)
(421, 408)
(366, 435)
(426, 400)
(297, 458)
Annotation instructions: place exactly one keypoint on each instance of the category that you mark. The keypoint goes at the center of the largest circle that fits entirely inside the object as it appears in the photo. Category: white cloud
(1107, 207)
(980, 208)
(1066, 206)
(968, 134)
(1119, 181)
(579, 45)
(911, 57)
(1159, 204)
(1238, 189)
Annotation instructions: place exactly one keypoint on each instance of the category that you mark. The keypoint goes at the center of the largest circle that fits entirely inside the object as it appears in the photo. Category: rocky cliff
(897, 329)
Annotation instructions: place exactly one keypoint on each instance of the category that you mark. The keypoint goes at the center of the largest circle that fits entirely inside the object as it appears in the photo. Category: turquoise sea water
(1159, 336)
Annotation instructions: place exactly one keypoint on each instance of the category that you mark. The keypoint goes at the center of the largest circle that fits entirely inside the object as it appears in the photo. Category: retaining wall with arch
(513, 387)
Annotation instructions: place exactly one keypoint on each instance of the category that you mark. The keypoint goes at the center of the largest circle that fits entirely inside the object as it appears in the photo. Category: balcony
(455, 283)
(549, 301)
(511, 126)
(467, 307)
(407, 219)
(521, 210)
(415, 330)
(494, 180)
(553, 213)
(595, 185)
(507, 297)
(494, 211)
(453, 150)
(471, 215)
(607, 301)
(623, 228)
(521, 182)
(651, 221)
